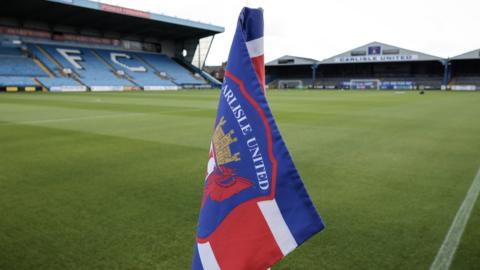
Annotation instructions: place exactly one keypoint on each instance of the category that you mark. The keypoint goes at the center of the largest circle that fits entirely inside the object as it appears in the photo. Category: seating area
(56, 66)
(428, 82)
(175, 71)
(61, 84)
(6, 81)
(9, 51)
(87, 66)
(330, 83)
(131, 64)
(36, 51)
(467, 80)
(106, 69)
(14, 63)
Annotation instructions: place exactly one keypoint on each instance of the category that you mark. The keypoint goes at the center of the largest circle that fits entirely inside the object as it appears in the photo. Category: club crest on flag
(255, 209)
(222, 182)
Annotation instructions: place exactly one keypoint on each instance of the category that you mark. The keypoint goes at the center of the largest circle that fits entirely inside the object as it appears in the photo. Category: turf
(113, 180)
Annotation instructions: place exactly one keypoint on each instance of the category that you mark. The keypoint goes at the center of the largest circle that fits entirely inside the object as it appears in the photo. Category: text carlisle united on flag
(255, 209)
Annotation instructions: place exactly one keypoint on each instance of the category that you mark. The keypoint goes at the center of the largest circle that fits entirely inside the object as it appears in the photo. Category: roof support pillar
(446, 72)
(314, 74)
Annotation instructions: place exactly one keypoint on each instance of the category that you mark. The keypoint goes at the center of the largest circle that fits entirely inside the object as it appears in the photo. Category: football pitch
(114, 180)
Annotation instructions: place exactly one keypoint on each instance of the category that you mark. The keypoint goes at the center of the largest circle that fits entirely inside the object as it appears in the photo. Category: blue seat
(19, 66)
(141, 73)
(57, 82)
(163, 63)
(10, 51)
(96, 68)
(34, 49)
(62, 85)
(16, 81)
(13, 63)
(92, 71)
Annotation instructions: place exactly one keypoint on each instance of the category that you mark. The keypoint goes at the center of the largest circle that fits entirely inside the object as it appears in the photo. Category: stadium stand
(101, 50)
(372, 66)
(464, 71)
(289, 72)
(87, 67)
(381, 66)
(96, 68)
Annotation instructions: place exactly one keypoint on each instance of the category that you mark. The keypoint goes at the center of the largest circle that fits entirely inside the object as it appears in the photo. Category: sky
(321, 29)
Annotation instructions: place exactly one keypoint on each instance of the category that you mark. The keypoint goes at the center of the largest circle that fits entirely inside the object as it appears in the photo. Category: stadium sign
(68, 88)
(126, 11)
(376, 58)
(57, 37)
(86, 39)
(24, 32)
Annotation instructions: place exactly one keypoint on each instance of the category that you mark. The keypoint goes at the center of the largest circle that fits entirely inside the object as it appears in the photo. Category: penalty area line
(445, 254)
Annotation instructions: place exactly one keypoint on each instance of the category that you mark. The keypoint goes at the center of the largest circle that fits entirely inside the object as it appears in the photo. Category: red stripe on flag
(244, 240)
(259, 66)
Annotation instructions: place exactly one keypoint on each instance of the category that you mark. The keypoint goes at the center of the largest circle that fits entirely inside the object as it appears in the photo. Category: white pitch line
(445, 254)
(72, 119)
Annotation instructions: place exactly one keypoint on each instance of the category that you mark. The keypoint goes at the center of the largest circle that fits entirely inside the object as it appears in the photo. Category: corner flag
(255, 209)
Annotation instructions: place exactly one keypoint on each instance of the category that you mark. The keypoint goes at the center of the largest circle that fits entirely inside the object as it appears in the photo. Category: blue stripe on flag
(252, 21)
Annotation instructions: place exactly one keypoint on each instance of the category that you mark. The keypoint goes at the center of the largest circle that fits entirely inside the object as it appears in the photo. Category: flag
(255, 209)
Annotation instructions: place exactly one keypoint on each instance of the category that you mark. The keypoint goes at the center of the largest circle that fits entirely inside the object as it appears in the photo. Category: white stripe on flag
(278, 226)
(209, 262)
(255, 47)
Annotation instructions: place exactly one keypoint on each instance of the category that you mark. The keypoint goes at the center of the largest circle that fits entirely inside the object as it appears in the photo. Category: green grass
(114, 180)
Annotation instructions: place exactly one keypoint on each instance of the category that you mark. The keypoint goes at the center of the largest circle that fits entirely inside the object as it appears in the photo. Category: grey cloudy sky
(320, 29)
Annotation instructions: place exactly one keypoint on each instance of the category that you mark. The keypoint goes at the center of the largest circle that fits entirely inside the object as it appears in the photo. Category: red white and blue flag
(255, 209)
